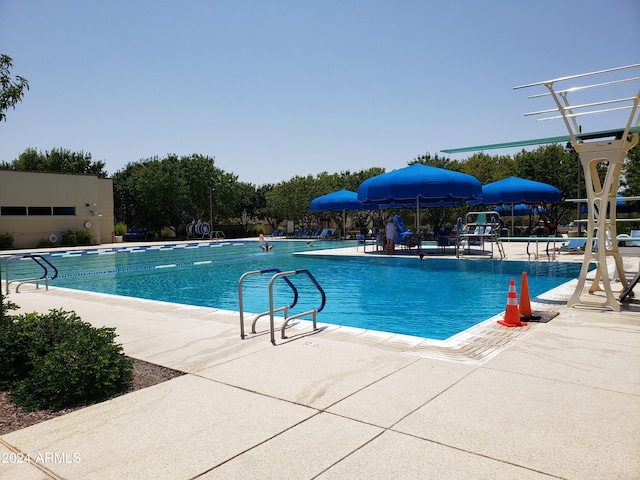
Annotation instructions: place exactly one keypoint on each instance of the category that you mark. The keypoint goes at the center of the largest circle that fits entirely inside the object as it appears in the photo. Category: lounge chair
(635, 234)
(404, 236)
(324, 233)
(443, 242)
(608, 244)
(362, 240)
(476, 238)
(575, 245)
(136, 234)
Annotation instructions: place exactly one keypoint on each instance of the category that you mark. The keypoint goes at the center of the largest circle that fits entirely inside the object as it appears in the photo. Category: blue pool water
(434, 298)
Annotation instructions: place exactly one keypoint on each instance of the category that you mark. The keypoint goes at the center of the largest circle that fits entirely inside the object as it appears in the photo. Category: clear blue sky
(275, 89)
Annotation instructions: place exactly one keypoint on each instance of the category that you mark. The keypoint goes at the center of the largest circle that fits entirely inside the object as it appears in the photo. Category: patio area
(549, 400)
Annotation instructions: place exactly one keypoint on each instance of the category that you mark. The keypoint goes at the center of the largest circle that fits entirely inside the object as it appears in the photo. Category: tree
(125, 206)
(11, 91)
(56, 161)
(631, 177)
(553, 165)
(291, 199)
(352, 181)
(173, 191)
(247, 204)
(632, 173)
(488, 168)
(438, 162)
(260, 208)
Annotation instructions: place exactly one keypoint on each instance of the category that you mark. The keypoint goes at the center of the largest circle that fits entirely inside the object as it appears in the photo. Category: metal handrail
(36, 258)
(240, 306)
(288, 319)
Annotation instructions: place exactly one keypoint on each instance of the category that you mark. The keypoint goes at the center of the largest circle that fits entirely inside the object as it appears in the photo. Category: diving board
(603, 149)
(616, 133)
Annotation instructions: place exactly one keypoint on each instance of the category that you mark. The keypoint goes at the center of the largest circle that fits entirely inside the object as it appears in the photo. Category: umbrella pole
(512, 227)
(344, 224)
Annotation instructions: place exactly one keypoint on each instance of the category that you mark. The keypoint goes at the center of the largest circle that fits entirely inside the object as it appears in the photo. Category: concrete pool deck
(550, 400)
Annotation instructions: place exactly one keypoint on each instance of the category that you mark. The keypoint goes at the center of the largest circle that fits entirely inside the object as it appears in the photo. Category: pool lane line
(154, 267)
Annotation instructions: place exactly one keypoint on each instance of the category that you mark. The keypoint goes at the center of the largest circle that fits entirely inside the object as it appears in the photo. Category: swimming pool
(435, 298)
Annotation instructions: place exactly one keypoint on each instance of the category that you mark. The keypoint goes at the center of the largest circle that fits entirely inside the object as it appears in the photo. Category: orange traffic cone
(525, 301)
(511, 315)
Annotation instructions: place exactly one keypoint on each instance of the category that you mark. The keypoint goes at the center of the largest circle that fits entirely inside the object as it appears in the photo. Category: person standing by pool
(382, 240)
(390, 234)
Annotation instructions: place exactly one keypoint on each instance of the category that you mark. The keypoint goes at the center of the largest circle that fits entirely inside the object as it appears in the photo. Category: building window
(39, 210)
(64, 210)
(13, 210)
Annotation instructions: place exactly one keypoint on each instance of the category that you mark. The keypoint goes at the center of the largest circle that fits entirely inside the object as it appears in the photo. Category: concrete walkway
(550, 400)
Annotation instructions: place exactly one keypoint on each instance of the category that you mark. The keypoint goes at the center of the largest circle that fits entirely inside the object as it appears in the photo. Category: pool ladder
(280, 274)
(40, 260)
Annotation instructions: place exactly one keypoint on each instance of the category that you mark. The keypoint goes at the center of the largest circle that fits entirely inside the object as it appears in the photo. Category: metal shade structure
(342, 200)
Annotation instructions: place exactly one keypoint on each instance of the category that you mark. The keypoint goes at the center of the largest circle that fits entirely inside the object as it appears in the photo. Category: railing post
(240, 304)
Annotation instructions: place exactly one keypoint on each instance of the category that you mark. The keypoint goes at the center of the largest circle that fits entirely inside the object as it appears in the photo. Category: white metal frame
(608, 152)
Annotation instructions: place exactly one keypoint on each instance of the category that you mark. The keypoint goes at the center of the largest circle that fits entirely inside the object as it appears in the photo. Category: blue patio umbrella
(342, 200)
(621, 207)
(420, 185)
(624, 207)
(519, 190)
(514, 190)
(336, 201)
(520, 210)
(423, 183)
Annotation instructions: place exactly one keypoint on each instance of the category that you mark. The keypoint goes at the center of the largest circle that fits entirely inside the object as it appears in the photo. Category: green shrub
(255, 230)
(55, 360)
(120, 229)
(6, 241)
(68, 239)
(83, 237)
(5, 306)
(45, 243)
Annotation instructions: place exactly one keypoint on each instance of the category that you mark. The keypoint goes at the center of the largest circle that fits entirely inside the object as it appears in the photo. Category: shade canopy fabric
(621, 207)
(624, 207)
(420, 185)
(338, 201)
(520, 210)
(342, 200)
(519, 190)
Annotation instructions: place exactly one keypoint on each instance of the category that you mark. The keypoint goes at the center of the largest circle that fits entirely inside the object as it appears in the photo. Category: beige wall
(91, 196)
